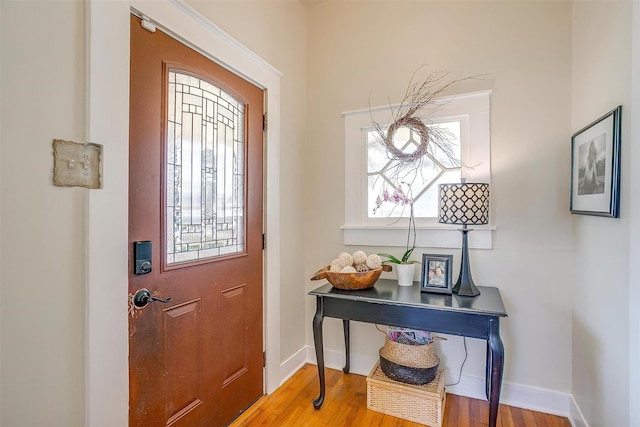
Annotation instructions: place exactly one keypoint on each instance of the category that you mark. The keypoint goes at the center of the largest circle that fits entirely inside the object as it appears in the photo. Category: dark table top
(387, 291)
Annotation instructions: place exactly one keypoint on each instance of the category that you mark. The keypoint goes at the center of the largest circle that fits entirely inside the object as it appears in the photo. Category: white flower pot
(405, 274)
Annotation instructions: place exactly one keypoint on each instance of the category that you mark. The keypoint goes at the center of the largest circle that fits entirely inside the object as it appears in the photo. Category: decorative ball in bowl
(351, 281)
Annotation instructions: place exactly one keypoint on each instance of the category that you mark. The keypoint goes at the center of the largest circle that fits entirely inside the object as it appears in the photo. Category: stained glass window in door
(205, 177)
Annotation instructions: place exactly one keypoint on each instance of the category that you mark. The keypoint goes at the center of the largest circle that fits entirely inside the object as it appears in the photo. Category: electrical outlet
(76, 164)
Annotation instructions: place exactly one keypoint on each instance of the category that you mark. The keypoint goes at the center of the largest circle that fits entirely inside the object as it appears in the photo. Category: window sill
(427, 237)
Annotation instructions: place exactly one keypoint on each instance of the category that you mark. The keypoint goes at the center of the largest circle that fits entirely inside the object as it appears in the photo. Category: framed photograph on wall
(436, 273)
(595, 167)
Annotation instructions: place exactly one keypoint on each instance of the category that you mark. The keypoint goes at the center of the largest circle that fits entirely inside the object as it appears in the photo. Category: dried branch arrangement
(420, 95)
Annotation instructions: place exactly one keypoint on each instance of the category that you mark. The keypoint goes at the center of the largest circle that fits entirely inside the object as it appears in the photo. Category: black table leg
(487, 375)
(496, 354)
(347, 352)
(317, 340)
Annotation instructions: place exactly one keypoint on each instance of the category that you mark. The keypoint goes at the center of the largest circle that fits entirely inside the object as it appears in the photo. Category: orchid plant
(400, 198)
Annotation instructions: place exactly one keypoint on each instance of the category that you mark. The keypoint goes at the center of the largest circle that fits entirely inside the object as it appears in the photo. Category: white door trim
(106, 362)
(634, 249)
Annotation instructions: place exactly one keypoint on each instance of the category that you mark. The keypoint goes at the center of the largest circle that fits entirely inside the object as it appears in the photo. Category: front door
(195, 237)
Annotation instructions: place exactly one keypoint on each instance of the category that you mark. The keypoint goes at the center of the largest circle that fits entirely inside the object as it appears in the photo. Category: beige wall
(602, 81)
(276, 31)
(42, 226)
(372, 49)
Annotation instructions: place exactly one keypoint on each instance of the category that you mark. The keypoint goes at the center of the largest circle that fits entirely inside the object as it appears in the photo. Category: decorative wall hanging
(595, 167)
(420, 96)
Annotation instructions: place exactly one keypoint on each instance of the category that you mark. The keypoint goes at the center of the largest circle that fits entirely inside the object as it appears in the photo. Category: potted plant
(404, 260)
(405, 268)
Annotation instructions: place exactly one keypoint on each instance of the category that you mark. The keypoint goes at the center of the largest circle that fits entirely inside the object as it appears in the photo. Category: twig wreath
(426, 94)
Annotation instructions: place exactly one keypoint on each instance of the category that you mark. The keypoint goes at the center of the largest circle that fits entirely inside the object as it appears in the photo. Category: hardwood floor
(346, 405)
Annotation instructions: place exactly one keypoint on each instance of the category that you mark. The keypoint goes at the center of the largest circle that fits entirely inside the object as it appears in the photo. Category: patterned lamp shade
(466, 203)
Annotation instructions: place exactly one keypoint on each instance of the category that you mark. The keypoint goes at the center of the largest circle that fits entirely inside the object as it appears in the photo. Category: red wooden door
(195, 194)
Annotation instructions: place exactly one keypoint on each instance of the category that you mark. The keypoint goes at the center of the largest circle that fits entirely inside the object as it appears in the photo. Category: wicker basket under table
(422, 404)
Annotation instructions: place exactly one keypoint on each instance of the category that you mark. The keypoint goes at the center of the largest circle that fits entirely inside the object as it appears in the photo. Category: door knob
(142, 297)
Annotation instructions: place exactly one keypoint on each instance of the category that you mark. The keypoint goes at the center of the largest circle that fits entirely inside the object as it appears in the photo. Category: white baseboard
(518, 395)
(536, 399)
(576, 418)
(293, 364)
(333, 359)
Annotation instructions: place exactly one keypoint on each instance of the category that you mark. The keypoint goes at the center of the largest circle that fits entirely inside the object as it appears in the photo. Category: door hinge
(264, 242)
(265, 124)
(264, 359)
(147, 24)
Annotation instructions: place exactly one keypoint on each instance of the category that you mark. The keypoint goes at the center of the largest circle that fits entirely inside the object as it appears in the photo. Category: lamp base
(464, 286)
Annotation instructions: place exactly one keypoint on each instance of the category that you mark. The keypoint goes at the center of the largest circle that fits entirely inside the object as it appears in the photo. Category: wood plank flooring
(346, 405)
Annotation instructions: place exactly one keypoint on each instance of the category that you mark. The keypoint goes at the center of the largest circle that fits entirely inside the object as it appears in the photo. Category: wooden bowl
(351, 281)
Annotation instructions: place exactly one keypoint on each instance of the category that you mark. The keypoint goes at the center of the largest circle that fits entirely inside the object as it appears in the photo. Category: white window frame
(473, 111)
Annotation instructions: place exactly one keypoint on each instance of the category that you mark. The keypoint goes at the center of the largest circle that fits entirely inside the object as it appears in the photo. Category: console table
(389, 304)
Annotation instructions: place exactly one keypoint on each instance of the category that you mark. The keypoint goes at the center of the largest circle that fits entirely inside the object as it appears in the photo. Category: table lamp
(466, 204)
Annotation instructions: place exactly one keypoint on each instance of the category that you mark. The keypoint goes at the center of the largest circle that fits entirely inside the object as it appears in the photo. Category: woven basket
(422, 404)
(411, 364)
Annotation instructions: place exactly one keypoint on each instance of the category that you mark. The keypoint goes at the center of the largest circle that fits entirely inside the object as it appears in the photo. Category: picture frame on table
(436, 274)
(595, 167)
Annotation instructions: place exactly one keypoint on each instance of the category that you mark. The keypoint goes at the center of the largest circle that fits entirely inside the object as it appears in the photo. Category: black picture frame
(430, 280)
(595, 167)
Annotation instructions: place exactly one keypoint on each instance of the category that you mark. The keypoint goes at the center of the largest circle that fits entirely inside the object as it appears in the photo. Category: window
(465, 118)
(205, 170)
(434, 168)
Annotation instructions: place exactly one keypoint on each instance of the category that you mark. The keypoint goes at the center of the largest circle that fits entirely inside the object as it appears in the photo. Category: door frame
(107, 79)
